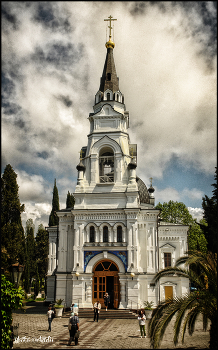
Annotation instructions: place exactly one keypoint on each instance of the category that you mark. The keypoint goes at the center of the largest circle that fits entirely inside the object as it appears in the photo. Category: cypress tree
(53, 218)
(209, 206)
(42, 246)
(31, 250)
(70, 200)
(12, 233)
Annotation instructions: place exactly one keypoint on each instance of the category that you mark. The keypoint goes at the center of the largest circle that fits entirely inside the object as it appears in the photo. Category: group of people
(73, 324)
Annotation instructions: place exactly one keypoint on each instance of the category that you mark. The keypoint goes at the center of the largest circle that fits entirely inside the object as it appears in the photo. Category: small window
(119, 234)
(92, 234)
(167, 259)
(108, 76)
(108, 96)
(105, 234)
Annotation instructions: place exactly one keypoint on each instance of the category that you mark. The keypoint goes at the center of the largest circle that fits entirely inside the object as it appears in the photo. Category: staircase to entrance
(110, 313)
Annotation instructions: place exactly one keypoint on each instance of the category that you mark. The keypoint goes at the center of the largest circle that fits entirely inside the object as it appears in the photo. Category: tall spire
(109, 79)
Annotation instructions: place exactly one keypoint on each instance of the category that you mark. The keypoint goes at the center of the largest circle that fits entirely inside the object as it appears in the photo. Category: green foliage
(196, 238)
(11, 298)
(53, 218)
(148, 305)
(12, 233)
(200, 269)
(70, 200)
(175, 212)
(42, 247)
(209, 206)
(59, 303)
(31, 249)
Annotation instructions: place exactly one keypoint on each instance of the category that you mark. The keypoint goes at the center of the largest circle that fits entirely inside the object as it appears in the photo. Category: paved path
(106, 334)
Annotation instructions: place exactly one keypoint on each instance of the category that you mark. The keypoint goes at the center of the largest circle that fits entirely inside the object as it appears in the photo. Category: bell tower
(106, 172)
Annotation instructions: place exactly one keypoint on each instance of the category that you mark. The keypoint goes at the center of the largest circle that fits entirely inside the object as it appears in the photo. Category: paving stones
(105, 334)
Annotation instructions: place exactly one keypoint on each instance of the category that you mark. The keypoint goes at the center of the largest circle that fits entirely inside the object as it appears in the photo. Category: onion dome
(110, 44)
(151, 189)
(132, 164)
(80, 166)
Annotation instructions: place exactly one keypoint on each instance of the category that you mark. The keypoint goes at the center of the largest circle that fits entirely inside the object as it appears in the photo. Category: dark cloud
(66, 100)
(47, 16)
(60, 55)
(43, 154)
(7, 17)
(8, 86)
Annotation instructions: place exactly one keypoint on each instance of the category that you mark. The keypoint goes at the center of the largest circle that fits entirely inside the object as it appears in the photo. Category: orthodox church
(112, 240)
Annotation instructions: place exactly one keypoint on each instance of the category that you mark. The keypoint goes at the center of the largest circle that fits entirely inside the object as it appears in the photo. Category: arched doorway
(106, 279)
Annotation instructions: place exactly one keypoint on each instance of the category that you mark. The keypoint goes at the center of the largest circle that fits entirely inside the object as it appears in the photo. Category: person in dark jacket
(106, 300)
(74, 321)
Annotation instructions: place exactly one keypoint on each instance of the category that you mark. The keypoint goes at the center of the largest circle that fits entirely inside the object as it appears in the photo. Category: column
(123, 302)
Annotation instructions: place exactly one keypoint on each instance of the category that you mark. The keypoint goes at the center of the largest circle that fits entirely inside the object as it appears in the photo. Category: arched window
(92, 234)
(106, 165)
(108, 76)
(119, 234)
(105, 234)
(108, 96)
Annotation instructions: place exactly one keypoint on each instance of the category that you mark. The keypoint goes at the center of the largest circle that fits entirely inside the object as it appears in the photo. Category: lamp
(77, 274)
(132, 275)
(16, 273)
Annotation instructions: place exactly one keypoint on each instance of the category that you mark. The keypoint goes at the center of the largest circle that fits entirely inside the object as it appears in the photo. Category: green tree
(11, 298)
(209, 206)
(12, 233)
(188, 307)
(31, 249)
(26, 273)
(70, 200)
(177, 213)
(53, 218)
(42, 247)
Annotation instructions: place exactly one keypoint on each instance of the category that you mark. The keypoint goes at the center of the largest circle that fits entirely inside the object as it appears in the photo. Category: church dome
(143, 191)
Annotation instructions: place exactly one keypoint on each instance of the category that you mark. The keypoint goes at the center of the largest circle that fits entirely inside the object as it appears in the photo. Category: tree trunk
(213, 344)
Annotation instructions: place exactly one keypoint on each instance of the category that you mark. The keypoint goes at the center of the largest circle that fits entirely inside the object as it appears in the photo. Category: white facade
(114, 220)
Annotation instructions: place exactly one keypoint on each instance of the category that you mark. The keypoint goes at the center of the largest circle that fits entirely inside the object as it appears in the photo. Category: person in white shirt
(141, 319)
(50, 315)
(97, 308)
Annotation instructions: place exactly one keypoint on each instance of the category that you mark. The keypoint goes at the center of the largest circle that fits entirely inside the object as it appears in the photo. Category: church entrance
(106, 279)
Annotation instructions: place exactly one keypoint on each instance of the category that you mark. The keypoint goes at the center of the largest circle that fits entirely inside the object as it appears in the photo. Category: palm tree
(201, 269)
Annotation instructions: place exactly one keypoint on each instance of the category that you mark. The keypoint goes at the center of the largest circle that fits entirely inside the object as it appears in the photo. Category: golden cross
(151, 178)
(110, 19)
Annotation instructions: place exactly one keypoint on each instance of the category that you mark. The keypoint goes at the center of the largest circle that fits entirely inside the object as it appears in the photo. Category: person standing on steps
(141, 319)
(97, 308)
(106, 300)
(50, 315)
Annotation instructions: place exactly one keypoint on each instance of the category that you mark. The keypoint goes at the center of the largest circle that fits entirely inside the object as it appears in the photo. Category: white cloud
(197, 213)
(161, 59)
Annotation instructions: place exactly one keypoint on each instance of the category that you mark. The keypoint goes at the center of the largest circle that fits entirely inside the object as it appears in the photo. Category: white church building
(112, 240)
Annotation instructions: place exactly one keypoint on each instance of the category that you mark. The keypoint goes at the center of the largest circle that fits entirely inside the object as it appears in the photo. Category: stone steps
(110, 313)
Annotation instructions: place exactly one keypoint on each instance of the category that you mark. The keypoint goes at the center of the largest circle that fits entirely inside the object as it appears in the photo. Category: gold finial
(151, 178)
(131, 153)
(110, 43)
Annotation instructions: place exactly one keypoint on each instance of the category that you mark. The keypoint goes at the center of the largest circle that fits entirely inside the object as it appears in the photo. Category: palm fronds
(200, 269)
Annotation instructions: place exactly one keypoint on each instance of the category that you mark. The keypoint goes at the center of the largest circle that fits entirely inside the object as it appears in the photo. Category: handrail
(133, 301)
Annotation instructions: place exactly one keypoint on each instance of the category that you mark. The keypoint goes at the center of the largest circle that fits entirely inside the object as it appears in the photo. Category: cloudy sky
(53, 55)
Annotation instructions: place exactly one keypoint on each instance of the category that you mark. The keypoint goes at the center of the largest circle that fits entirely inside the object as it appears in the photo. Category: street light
(77, 274)
(132, 275)
(16, 273)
